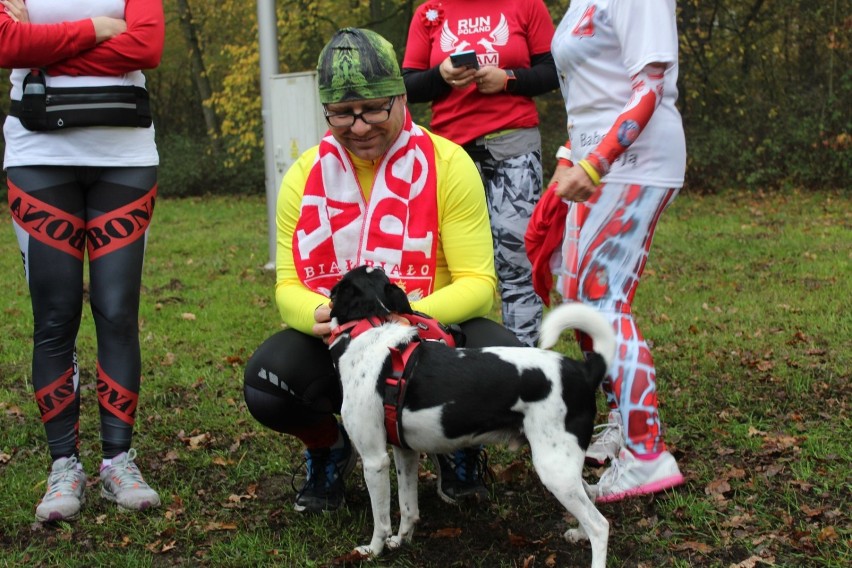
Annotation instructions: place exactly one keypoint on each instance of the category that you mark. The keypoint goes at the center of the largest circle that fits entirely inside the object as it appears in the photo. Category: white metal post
(267, 28)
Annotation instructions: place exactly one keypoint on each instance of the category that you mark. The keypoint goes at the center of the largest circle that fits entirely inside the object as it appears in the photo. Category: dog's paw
(393, 543)
(365, 552)
(576, 535)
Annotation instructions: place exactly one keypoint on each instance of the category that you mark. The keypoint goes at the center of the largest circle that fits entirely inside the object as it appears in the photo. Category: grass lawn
(746, 304)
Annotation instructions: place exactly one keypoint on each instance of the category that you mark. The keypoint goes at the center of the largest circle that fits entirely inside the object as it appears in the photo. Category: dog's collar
(429, 329)
(355, 328)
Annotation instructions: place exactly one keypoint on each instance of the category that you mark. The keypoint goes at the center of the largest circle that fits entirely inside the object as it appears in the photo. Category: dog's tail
(575, 315)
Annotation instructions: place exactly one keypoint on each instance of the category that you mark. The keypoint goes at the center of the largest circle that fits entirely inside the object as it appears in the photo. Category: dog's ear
(341, 296)
(397, 301)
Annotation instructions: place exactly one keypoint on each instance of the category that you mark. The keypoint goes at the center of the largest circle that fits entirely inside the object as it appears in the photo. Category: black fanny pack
(44, 108)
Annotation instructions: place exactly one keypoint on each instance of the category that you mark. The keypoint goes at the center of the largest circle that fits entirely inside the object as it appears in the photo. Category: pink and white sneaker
(628, 476)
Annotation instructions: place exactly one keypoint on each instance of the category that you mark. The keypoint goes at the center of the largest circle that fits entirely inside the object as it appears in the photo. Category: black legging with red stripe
(58, 212)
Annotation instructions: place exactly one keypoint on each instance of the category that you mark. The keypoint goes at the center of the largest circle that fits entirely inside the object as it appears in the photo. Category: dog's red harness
(428, 329)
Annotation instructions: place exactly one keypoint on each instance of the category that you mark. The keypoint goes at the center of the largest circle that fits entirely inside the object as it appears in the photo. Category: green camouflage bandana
(358, 64)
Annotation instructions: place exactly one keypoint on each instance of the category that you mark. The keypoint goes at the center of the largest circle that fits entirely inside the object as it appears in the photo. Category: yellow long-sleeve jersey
(465, 283)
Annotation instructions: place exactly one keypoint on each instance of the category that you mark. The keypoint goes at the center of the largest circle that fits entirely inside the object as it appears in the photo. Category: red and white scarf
(396, 230)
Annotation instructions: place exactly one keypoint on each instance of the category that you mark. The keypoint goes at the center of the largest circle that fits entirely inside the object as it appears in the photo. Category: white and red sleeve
(37, 45)
(140, 47)
(647, 88)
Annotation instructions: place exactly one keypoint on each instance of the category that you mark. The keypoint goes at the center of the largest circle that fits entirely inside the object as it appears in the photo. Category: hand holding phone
(465, 59)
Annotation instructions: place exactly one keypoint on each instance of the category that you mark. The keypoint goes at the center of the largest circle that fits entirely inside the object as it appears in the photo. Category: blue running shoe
(324, 488)
(461, 475)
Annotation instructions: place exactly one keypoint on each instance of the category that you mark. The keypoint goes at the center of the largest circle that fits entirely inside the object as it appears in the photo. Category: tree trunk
(199, 72)
(391, 18)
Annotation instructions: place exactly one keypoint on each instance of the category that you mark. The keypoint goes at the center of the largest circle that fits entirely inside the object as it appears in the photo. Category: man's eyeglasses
(347, 119)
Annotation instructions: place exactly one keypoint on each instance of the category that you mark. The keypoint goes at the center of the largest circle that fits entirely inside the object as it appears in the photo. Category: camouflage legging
(512, 188)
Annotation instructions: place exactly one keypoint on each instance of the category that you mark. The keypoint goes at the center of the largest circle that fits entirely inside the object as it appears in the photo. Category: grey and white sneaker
(607, 440)
(122, 483)
(64, 496)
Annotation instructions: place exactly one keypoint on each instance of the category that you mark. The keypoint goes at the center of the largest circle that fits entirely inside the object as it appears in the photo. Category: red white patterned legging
(607, 241)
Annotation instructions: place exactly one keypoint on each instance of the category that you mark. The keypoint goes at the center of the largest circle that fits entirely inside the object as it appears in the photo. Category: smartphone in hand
(464, 59)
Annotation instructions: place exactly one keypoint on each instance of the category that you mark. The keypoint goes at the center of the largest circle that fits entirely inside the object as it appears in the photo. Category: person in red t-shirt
(487, 108)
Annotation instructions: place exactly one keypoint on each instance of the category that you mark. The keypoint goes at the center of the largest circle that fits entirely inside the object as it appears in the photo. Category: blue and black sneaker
(461, 475)
(324, 488)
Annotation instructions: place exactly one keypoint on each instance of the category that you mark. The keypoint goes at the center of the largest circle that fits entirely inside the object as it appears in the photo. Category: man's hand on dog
(322, 315)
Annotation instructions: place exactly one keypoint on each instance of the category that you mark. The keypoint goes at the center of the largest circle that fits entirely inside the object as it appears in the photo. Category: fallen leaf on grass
(828, 534)
(214, 526)
(520, 540)
(14, 411)
(736, 473)
(798, 337)
(234, 498)
(175, 508)
(738, 521)
(450, 532)
(188, 316)
(511, 472)
(782, 441)
(694, 546)
(158, 547)
(811, 511)
(771, 470)
(350, 558)
(251, 493)
(752, 561)
(219, 460)
(234, 360)
(717, 489)
(196, 441)
(802, 485)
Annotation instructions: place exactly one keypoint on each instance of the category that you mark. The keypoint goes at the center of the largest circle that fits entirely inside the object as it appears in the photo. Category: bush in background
(190, 167)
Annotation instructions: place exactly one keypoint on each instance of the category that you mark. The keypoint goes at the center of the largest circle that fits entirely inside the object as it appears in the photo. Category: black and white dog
(458, 398)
